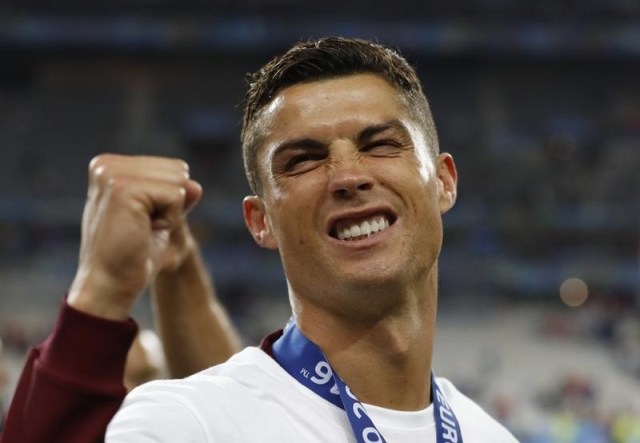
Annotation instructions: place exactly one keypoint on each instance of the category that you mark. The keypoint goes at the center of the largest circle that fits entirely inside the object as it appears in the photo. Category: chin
(374, 281)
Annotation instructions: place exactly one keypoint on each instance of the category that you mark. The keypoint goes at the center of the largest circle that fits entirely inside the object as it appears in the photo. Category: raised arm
(133, 205)
(195, 329)
(72, 384)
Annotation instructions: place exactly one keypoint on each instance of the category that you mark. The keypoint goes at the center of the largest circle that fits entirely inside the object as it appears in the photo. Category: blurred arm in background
(194, 327)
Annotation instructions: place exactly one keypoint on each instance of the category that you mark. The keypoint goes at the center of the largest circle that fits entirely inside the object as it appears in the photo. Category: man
(342, 154)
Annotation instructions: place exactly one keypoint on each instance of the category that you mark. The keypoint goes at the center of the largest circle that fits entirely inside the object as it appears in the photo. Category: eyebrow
(297, 144)
(373, 130)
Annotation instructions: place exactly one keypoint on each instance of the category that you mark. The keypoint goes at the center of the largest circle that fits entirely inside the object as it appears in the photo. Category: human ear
(257, 221)
(447, 181)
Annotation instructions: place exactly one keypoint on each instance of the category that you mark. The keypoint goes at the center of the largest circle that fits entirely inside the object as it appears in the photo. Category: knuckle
(176, 202)
(99, 166)
(95, 164)
(180, 198)
(173, 197)
(184, 166)
(99, 160)
(115, 184)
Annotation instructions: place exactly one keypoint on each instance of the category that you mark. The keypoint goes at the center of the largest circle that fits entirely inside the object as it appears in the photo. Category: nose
(349, 177)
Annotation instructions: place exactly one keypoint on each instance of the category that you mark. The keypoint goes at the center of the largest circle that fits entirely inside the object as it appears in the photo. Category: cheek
(424, 201)
(293, 219)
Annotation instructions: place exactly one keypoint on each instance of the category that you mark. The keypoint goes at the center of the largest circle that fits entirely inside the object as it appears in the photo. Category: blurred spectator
(626, 428)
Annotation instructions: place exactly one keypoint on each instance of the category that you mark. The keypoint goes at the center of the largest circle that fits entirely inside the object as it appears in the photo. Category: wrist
(188, 284)
(100, 300)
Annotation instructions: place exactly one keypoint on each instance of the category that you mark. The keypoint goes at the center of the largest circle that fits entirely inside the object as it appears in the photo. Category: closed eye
(302, 162)
(296, 156)
(382, 147)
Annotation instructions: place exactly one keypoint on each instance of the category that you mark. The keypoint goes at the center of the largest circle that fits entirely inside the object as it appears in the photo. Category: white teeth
(366, 228)
(345, 234)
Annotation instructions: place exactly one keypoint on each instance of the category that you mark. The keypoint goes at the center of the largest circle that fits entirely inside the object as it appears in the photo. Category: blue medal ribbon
(305, 362)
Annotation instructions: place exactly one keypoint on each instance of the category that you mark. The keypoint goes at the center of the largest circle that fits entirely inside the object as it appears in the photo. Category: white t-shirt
(250, 398)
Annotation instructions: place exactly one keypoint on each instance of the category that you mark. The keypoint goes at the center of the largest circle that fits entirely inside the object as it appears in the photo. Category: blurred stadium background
(538, 101)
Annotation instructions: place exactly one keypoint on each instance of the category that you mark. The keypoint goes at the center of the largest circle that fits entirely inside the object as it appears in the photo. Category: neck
(385, 361)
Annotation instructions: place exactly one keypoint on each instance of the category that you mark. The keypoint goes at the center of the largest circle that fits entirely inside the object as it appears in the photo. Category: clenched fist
(133, 226)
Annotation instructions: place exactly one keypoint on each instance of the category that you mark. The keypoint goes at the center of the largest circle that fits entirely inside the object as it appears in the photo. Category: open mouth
(353, 229)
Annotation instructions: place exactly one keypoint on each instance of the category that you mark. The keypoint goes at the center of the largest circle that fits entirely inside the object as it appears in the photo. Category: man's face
(352, 200)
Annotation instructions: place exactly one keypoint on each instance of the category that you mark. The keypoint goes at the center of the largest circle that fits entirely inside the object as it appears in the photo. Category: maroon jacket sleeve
(72, 384)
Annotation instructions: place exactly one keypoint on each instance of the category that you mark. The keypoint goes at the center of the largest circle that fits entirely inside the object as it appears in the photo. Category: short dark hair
(322, 59)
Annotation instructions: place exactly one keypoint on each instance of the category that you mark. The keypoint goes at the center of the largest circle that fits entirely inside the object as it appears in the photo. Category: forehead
(333, 107)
